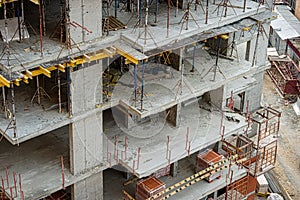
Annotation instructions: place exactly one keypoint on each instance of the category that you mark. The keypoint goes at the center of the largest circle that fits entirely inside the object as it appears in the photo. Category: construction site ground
(288, 162)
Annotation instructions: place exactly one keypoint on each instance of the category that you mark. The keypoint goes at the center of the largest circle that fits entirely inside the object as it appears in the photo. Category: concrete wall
(86, 133)
(86, 147)
(88, 14)
(90, 188)
(86, 87)
(254, 94)
(261, 52)
(217, 97)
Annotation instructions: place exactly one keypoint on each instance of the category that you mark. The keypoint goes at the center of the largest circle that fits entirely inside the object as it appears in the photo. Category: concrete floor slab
(113, 180)
(38, 163)
(151, 139)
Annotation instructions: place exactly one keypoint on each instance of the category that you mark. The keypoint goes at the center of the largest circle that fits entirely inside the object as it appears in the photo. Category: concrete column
(261, 53)
(253, 95)
(215, 194)
(177, 57)
(85, 134)
(217, 97)
(90, 188)
(86, 88)
(174, 169)
(174, 115)
(86, 143)
(88, 15)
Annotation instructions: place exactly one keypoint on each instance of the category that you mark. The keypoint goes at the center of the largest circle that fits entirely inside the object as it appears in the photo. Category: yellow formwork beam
(225, 37)
(129, 57)
(27, 74)
(41, 70)
(25, 79)
(17, 81)
(4, 81)
(6, 1)
(35, 2)
(61, 67)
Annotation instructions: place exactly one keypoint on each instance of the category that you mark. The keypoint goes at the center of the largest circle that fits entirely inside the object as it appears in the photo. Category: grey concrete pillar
(90, 188)
(217, 97)
(261, 53)
(177, 58)
(85, 134)
(174, 169)
(86, 19)
(174, 115)
(85, 143)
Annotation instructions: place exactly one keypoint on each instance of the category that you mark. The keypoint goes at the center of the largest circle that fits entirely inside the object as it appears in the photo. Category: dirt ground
(288, 163)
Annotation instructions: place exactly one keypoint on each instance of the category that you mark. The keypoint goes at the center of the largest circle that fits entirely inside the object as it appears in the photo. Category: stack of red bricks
(207, 159)
(149, 187)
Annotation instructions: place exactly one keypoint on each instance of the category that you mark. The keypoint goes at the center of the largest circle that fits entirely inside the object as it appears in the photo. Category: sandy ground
(288, 163)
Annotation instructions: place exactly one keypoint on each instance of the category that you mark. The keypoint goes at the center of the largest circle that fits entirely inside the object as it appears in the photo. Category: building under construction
(134, 99)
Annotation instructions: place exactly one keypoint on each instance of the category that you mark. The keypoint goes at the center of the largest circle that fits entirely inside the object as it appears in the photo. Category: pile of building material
(149, 187)
(207, 159)
(262, 184)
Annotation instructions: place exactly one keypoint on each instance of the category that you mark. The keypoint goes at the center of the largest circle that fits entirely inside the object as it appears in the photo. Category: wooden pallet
(110, 23)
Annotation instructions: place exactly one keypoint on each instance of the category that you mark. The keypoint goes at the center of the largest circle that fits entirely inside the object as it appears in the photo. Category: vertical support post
(221, 125)
(13, 109)
(146, 22)
(177, 4)
(15, 184)
(187, 16)
(38, 90)
(19, 20)
(156, 11)
(168, 20)
(20, 185)
(206, 12)
(256, 43)
(126, 146)
(44, 17)
(244, 7)
(135, 84)
(138, 159)
(217, 59)
(69, 91)
(115, 148)
(194, 55)
(140, 11)
(187, 138)
(4, 102)
(41, 28)
(59, 91)
(116, 8)
(62, 172)
(142, 92)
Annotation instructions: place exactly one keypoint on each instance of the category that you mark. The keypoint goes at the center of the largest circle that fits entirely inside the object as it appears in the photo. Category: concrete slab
(160, 143)
(157, 36)
(162, 92)
(113, 180)
(38, 163)
(28, 53)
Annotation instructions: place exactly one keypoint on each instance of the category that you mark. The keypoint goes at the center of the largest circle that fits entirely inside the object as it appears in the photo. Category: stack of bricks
(148, 188)
(207, 159)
